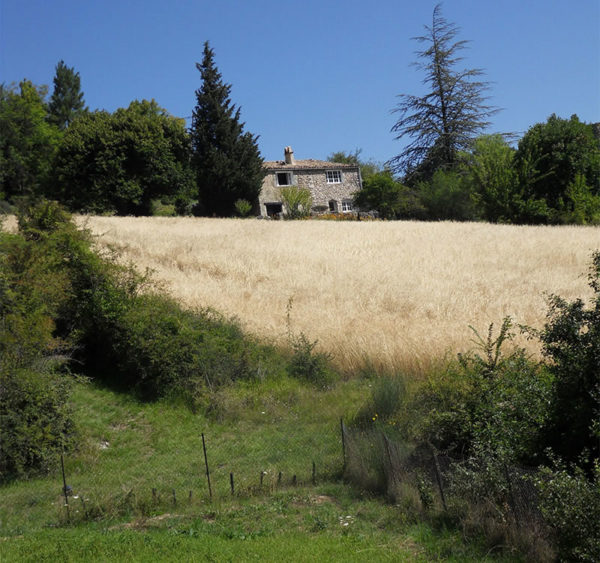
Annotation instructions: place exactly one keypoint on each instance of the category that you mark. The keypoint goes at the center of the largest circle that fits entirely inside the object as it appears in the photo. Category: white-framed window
(334, 176)
(346, 205)
(283, 178)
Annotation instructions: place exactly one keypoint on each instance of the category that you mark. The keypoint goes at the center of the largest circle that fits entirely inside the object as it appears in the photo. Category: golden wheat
(402, 294)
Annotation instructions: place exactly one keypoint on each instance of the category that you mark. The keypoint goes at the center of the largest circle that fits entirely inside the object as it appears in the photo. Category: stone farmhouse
(331, 184)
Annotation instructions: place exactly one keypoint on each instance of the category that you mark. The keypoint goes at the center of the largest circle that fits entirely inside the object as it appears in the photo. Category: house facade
(331, 184)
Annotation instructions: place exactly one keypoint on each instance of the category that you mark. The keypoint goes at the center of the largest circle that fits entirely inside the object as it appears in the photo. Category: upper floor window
(284, 178)
(334, 176)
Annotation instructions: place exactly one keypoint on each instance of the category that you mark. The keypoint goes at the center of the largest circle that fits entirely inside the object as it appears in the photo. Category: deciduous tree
(120, 162)
(27, 141)
(551, 155)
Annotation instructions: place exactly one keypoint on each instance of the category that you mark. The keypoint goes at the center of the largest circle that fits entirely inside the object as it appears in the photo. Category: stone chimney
(288, 154)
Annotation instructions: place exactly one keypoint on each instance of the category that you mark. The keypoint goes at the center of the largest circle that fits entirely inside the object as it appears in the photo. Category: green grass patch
(127, 448)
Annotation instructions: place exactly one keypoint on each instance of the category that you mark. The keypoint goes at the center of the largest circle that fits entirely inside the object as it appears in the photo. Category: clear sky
(319, 75)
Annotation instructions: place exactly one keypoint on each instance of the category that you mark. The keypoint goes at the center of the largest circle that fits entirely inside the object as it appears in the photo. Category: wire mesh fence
(434, 479)
(234, 462)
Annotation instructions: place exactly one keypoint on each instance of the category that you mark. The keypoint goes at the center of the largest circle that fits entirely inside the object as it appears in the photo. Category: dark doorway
(273, 209)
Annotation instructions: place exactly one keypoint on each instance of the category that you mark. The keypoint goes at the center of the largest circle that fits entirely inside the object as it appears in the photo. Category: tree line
(138, 160)
(450, 170)
(141, 160)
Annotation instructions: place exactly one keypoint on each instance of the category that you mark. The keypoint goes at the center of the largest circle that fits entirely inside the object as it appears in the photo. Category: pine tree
(449, 116)
(227, 160)
(66, 102)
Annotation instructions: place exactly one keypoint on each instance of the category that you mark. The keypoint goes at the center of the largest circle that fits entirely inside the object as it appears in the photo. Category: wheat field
(402, 294)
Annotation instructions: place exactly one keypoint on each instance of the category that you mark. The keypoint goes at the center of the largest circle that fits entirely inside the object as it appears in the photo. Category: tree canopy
(552, 155)
(120, 162)
(27, 141)
(446, 119)
(227, 160)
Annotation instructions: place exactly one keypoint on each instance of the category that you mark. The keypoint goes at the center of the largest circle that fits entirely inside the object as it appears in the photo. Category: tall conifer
(66, 102)
(227, 160)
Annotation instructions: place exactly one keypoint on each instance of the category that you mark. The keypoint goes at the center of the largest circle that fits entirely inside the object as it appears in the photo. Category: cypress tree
(66, 102)
(227, 160)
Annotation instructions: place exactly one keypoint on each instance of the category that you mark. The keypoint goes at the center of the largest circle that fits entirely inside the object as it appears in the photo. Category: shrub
(35, 421)
(165, 350)
(297, 202)
(571, 345)
(243, 207)
(448, 195)
(570, 504)
(308, 364)
(388, 396)
(488, 401)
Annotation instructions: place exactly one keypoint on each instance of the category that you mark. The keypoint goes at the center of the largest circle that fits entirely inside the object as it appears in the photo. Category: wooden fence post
(206, 465)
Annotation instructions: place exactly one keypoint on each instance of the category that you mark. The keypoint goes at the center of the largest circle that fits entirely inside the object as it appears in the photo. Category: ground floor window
(346, 205)
(333, 206)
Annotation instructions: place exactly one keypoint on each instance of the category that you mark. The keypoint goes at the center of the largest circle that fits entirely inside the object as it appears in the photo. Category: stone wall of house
(316, 181)
(322, 192)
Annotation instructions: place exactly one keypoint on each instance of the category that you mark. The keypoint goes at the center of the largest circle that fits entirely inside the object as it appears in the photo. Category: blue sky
(319, 75)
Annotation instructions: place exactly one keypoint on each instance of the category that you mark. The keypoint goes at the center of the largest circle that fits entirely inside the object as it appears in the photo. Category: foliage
(570, 504)
(66, 102)
(447, 196)
(297, 202)
(226, 159)
(571, 344)
(549, 158)
(493, 179)
(382, 193)
(367, 167)
(388, 397)
(488, 402)
(163, 350)
(243, 207)
(581, 206)
(445, 120)
(120, 162)
(27, 141)
(35, 420)
(309, 364)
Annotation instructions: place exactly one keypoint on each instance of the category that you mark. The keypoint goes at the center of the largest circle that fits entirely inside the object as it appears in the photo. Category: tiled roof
(307, 164)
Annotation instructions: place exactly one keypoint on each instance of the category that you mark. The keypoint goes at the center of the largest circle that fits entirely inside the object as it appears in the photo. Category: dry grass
(401, 293)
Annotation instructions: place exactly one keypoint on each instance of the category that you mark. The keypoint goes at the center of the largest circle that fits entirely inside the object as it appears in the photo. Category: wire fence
(212, 467)
(434, 479)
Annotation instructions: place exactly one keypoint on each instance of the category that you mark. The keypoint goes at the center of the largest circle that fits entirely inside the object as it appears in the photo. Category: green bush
(488, 401)
(449, 196)
(35, 421)
(571, 345)
(570, 504)
(308, 364)
(243, 207)
(297, 202)
(164, 349)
